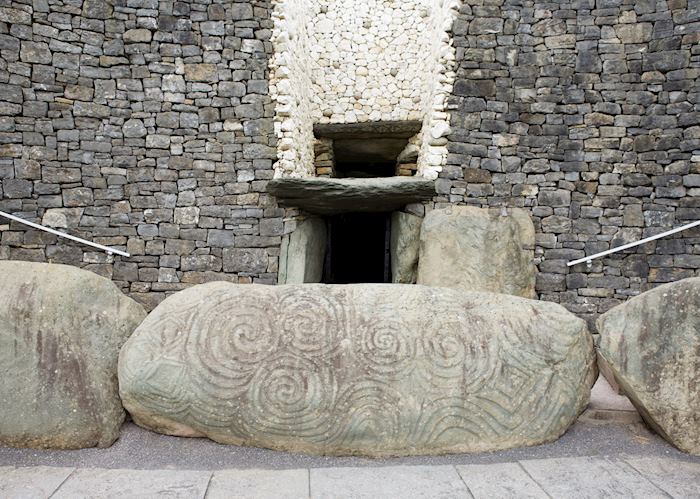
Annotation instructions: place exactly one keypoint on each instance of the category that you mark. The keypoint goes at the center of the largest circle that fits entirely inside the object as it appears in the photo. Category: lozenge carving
(364, 369)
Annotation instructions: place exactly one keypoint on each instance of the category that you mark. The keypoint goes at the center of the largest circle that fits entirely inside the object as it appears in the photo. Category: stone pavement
(582, 477)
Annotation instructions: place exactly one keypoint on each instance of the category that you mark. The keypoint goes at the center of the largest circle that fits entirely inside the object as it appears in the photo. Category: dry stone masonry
(155, 126)
(343, 61)
(366, 369)
(586, 114)
(143, 125)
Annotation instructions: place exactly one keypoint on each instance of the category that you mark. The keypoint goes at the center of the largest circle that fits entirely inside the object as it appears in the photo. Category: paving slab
(502, 480)
(134, 484)
(37, 482)
(679, 479)
(259, 484)
(587, 477)
(416, 482)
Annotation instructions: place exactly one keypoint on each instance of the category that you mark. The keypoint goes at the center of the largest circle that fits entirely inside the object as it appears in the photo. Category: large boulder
(652, 345)
(477, 249)
(367, 369)
(61, 329)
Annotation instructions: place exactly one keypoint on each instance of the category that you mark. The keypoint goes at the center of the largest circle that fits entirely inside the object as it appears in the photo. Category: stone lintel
(327, 196)
(370, 130)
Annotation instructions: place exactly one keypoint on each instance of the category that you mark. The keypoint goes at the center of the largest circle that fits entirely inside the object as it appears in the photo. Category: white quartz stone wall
(437, 88)
(354, 61)
(291, 88)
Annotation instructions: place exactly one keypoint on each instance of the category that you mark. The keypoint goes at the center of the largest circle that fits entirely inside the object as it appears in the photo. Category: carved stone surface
(367, 369)
(477, 249)
(405, 243)
(652, 345)
(61, 329)
(329, 196)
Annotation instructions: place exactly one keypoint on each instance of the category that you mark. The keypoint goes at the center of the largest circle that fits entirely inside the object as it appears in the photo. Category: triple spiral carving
(332, 369)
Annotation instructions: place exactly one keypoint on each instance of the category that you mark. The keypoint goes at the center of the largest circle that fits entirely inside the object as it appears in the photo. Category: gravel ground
(141, 449)
(609, 428)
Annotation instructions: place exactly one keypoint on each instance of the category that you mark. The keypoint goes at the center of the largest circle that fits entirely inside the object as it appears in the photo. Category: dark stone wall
(586, 113)
(147, 125)
(144, 125)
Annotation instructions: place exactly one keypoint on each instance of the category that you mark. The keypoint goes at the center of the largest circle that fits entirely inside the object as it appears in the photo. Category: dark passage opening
(371, 149)
(358, 248)
(362, 158)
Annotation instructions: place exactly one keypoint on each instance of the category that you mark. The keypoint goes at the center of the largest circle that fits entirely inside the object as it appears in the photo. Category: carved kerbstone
(369, 369)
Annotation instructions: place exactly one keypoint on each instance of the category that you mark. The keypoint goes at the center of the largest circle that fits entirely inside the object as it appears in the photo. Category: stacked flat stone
(150, 126)
(585, 113)
(324, 155)
(146, 126)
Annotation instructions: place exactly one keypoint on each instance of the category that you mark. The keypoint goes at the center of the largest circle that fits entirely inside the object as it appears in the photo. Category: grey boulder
(405, 244)
(367, 369)
(475, 249)
(61, 329)
(652, 345)
(302, 253)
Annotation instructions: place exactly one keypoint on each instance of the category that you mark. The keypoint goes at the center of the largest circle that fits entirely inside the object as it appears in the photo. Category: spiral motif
(312, 324)
(356, 369)
(444, 345)
(289, 397)
(387, 346)
(445, 350)
(227, 360)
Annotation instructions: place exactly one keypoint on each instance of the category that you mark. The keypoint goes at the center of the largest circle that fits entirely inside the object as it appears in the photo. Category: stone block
(17, 188)
(245, 260)
(634, 33)
(14, 16)
(62, 217)
(90, 109)
(241, 11)
(556, 198)
(201, 72)
(35, 52)
(139, 35)
(476, 249)
(97, 9)
(666, 61)
(405, 245)
(475, 88)
(220, 238)
(375, 370)
(174, 83)
(134, 128)
(303, 252)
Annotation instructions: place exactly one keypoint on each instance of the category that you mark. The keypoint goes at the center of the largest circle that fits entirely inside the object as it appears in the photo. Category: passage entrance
(358, 248)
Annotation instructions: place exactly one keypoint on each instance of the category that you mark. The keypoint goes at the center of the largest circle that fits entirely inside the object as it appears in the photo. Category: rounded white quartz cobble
(355, 61)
